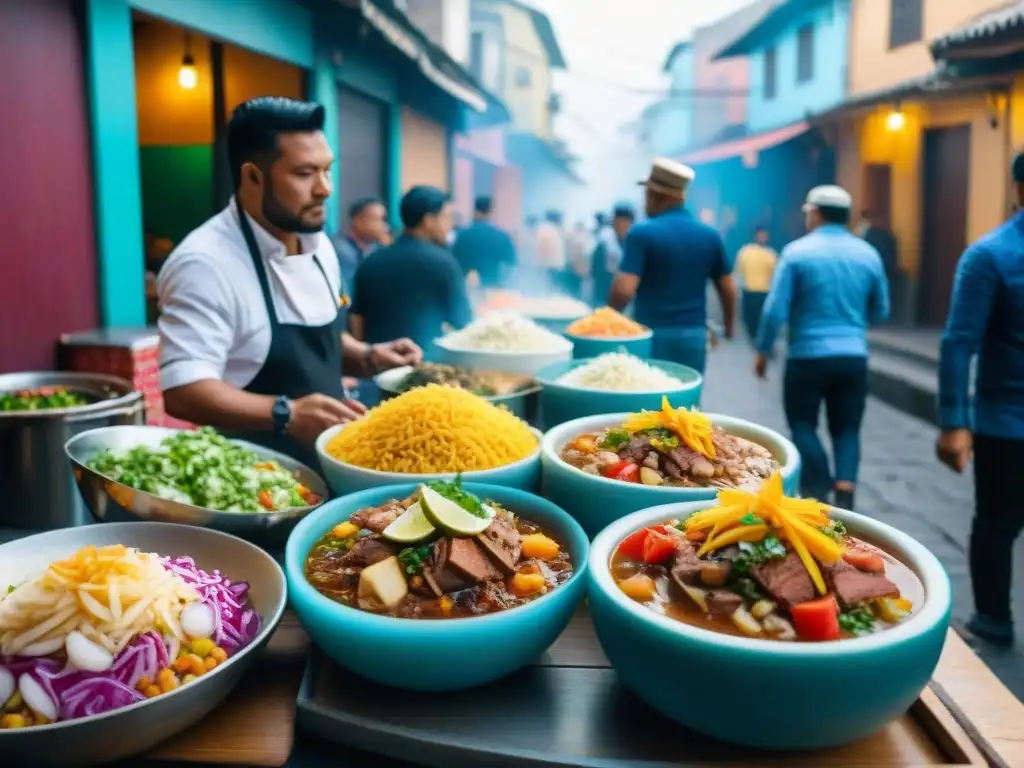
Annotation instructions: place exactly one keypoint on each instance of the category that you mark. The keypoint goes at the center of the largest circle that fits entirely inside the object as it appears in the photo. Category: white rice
(620, 372)
(504, 331)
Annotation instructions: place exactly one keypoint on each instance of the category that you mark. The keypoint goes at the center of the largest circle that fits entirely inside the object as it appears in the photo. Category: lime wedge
(411, 526)
(450, 517)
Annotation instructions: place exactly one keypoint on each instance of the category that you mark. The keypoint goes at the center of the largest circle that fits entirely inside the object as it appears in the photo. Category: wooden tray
(569, 709)
(256, 724)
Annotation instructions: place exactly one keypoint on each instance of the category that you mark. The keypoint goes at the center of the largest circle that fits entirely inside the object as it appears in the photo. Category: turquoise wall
(324, 89)
(177, 188)
(110, 72)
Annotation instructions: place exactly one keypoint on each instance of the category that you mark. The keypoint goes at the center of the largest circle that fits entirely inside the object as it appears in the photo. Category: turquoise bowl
(444, 654)
(597, 501)
(590, 346)
(560, 403)
(818, 694)
(344, 478)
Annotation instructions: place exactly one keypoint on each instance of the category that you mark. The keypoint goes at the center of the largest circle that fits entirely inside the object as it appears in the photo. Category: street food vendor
(252, 330)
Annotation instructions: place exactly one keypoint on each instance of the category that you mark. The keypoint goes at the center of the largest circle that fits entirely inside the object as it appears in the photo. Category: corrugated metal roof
(1000, 22)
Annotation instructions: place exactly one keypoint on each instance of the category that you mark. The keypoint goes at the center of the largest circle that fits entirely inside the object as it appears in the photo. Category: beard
(279, 216)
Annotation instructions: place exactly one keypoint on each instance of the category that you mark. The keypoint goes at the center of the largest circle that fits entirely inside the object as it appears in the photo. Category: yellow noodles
(434, 429)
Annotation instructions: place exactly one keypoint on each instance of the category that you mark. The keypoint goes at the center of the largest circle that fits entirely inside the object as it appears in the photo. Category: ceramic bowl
(128, 731)
(526, 362)
(811, 695)
(560, 403)
(443, 654)
(344, 478)
(597, 501)
(592, 346)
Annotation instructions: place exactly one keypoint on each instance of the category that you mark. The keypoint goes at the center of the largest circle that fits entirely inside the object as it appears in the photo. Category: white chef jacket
(213, 322)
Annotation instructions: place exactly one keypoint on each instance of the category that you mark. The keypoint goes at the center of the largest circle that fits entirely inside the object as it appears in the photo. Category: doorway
(361, 146)
(944, 223)
(878, 193)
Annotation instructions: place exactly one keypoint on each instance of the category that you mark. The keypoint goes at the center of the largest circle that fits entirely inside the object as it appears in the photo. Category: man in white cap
(666, 264)
(829, 286)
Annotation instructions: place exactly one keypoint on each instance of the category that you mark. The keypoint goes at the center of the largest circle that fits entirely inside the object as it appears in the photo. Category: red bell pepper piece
(865, 560)
(632, 546)
(658, 547)
(622, 470)
(817, 620)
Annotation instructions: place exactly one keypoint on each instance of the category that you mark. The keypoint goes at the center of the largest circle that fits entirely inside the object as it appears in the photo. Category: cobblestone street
(901, 482)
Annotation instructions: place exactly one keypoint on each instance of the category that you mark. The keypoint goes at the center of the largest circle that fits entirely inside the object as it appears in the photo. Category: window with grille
(769, 73)
(906, 22)
(805, 54)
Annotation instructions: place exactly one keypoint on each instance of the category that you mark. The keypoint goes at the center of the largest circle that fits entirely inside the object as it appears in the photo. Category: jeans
(842, 383)
(751, 306)
(685, 351)
(998, 521)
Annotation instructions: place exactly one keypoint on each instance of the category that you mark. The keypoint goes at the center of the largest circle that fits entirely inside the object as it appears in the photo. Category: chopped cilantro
(456, 493)
(747, 588)
(835, 530)
(769, 548)
(11, 588)
(857, 620)
(338, 545)
(614, 438)
(751, 519)
(412, 558)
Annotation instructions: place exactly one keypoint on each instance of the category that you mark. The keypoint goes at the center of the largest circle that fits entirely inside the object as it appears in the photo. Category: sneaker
(995, 631)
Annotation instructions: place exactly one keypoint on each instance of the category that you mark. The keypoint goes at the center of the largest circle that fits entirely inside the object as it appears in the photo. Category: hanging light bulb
(188, 75)
(895, 120)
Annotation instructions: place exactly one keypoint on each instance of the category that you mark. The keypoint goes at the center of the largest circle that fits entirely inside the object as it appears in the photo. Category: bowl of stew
(703, 606)
(599, 470)
(398, 586)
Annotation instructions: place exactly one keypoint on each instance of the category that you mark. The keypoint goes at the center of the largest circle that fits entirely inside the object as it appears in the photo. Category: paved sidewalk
(901, 482)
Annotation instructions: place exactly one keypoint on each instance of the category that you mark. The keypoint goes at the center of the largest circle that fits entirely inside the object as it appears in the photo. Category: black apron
(302, 360)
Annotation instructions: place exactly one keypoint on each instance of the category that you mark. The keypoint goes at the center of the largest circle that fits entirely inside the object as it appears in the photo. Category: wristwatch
(368, 360)
(281, 413)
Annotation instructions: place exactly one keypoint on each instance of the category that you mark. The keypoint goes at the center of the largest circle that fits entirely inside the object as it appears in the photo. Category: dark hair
(760, 228)
(420, 202)
(623, 212)
(255, 125)
(483, 204)
(1017, 168)
(361, 205)
(833, 214)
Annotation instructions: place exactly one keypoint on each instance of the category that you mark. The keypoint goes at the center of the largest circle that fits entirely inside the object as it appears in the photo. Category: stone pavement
(901, 482)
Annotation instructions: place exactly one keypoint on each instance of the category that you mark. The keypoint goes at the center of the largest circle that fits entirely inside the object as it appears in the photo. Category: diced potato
(540, 546)
(383, 581)
(746, 623)
(345, 530)
(639, 587)
(762, 608)
(524, 584)
(650, 476)
(713, 574)
(778, 627)
(699, 596)
(893, 609)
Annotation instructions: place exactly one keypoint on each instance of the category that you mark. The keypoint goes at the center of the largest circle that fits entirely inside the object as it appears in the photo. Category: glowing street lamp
(895, 120)
(188, 75)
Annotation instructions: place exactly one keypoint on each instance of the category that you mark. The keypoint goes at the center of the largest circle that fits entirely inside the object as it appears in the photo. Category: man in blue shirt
(986, 316)
(828, 287)
(367, 230)
(414, 284)
(485, 249)
(608, 254)
(666, 265)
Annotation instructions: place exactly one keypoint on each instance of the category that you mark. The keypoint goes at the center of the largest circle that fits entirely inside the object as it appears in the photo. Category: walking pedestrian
(578, 247)
(549, 251)
(608, 254)
(986, 317)
(667, 262)
(367, 230)
(755, 264)
(484, 249)
(828, 287)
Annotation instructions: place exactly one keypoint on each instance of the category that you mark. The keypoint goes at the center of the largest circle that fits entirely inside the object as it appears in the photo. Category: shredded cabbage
(237, 622)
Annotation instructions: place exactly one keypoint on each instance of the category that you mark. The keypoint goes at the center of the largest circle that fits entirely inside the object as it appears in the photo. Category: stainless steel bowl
(129, 731)
(115, 502)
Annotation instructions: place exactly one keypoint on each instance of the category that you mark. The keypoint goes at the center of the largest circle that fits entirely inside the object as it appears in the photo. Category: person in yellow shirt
(755, 265)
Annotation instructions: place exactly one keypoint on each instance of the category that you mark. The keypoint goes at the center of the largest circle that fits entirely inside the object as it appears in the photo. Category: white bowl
(526, 362)
(344, 478)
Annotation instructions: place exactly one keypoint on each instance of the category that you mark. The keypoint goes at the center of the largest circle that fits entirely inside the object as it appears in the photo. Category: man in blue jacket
(485, 249)
(829, 286)
(986, 316)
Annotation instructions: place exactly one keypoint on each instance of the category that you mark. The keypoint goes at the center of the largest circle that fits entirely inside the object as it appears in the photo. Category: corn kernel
(188, 678)
(345, 530)
(209, 662)
(12, 721)
(446, 605)
(219, 654)
(15, 703)
(202, 647)
(152, 691)
(169, 684)
(143, 684)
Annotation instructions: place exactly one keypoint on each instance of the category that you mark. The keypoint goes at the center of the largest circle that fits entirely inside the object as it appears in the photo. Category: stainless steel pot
(37, 488)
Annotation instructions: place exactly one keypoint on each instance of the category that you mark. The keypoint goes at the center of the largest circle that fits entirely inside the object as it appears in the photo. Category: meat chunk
(786, 580)
(690, 462)
(636, 450)
(376, 519)
(439, 577)
(855, 586)
(367, 551)
(722, 602)
(503, 544)
(686, 566)
(467, 559)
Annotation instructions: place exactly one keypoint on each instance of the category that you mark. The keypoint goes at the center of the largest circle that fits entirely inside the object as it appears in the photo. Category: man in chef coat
(252, 331)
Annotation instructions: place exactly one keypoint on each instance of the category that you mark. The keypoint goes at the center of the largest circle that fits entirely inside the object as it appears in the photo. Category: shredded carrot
(732, 536)
(694, 429)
